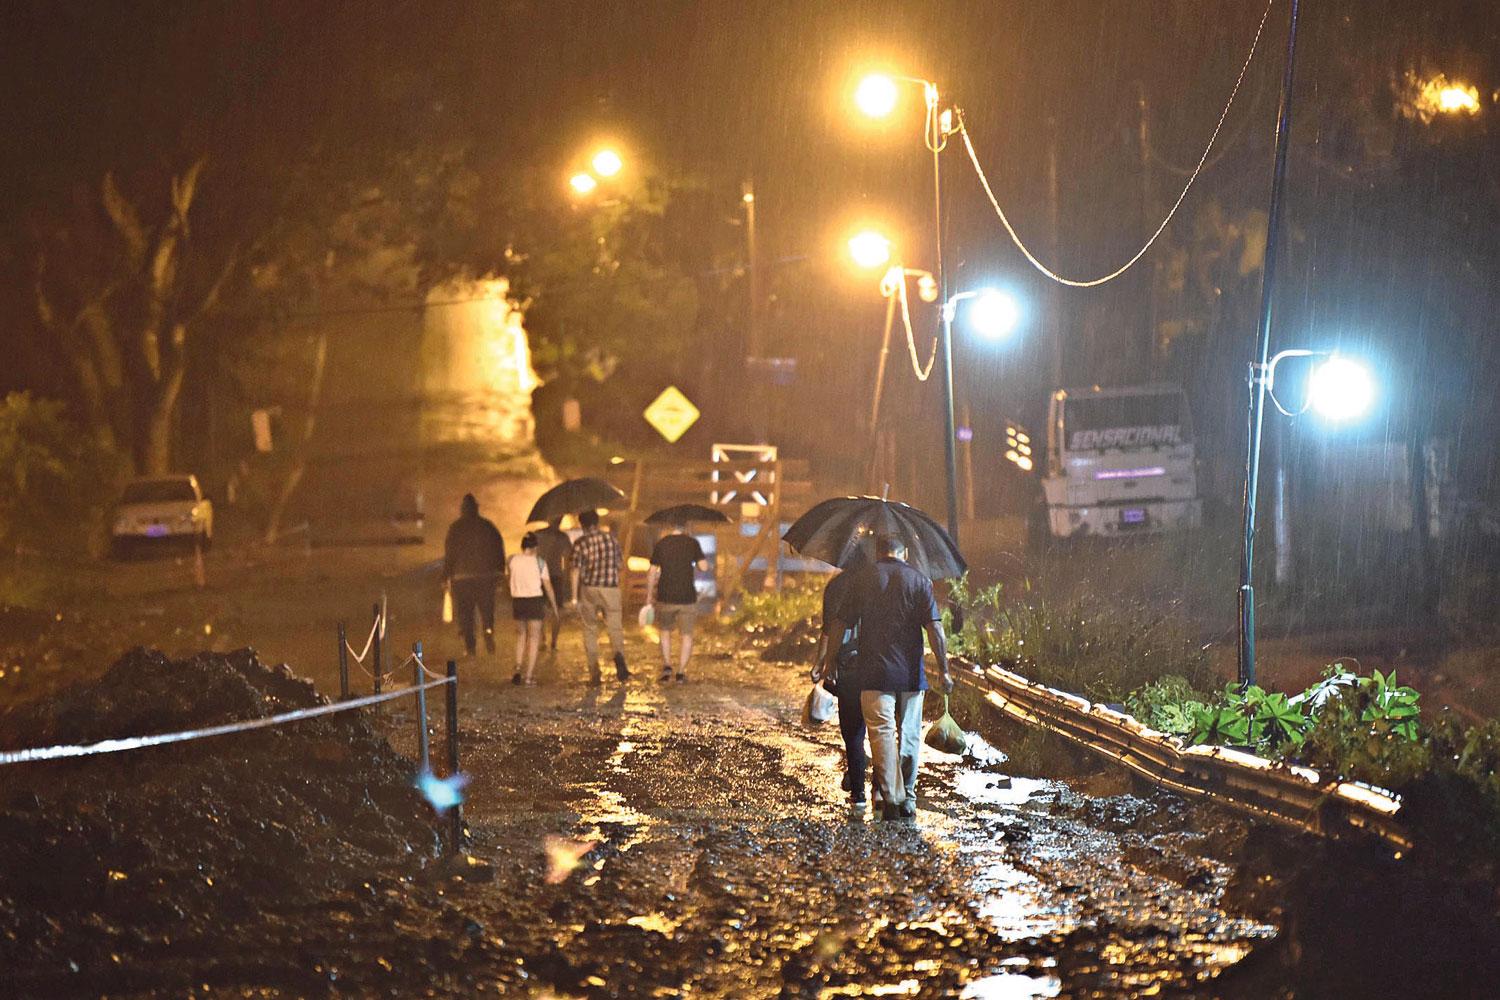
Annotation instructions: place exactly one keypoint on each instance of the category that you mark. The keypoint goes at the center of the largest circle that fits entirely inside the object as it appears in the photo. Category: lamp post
(1260, 372)
(993, 315)
(877, 96)
(1339, 389)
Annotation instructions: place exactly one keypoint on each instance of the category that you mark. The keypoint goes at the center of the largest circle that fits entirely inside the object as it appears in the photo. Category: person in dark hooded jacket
(473, 562)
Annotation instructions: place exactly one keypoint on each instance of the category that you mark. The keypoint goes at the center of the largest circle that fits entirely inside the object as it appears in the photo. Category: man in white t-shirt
(530, 595)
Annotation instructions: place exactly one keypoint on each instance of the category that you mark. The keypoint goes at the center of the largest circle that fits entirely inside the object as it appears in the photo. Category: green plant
(1101, 652)
(1167, 704)
(1391, 706)
(1224, 725)
(779, 609)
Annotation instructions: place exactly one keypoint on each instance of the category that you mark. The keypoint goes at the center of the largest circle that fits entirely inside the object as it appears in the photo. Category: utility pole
(754, 345)
(1148, 358)
(1054, 291)
(1261, 361)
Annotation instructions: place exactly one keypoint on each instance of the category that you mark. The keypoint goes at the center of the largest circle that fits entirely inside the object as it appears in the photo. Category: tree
(123, 287)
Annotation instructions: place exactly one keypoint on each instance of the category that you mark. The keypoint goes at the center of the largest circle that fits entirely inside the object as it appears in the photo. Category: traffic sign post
(671, 414)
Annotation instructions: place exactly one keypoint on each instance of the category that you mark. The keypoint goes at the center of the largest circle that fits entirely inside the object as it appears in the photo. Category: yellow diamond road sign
(671, 414)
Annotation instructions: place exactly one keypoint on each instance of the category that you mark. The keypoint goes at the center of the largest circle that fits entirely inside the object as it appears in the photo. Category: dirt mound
(123, 871)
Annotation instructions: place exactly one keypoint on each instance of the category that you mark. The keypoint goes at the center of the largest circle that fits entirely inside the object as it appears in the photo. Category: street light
(994, 315)
(876, 95)
(869, 249)
(607, 163)
(583, 183)
(1338, 389)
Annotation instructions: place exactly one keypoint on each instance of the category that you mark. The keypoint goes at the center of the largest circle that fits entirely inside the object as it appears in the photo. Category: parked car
(162, 508)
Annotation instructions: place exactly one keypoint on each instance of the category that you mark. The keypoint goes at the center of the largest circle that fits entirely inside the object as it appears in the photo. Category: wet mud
(635, 840)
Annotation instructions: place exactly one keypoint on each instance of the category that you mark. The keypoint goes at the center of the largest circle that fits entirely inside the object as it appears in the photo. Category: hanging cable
(923, 374)
(1094, 282)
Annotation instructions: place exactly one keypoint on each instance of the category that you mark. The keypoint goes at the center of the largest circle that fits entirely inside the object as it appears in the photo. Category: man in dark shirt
(473, 560)
(892, 604)
(674, 595)
(556, 550)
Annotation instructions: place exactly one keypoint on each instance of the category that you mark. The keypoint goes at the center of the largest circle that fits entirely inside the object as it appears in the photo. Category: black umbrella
(687, 513)
(574, 496)
(841, 530)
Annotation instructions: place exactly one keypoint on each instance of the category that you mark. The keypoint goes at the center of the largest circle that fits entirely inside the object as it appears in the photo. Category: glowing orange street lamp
(583, 183)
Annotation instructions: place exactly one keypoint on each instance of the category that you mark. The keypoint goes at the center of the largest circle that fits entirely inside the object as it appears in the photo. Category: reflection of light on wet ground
(658, 922)
(1011, 986)
(611, 808)
(1013, 903)
(905, 988)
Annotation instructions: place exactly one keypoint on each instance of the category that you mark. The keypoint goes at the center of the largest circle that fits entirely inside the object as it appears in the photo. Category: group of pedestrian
(875, 616)
(555, 570)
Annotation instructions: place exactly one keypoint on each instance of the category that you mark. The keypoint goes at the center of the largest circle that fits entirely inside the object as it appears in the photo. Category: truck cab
(1120, 462)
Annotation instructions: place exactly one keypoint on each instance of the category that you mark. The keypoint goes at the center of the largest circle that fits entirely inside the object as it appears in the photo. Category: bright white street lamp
(1340, 389)
(994, 315)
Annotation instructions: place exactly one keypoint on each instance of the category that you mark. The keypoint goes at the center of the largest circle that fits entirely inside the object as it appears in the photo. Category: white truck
(1120, 462)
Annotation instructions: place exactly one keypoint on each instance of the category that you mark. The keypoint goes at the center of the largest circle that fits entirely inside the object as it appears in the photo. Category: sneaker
(681, 677)
(909, 808)
(620, 671)
(530, 682)
(848, 783)
(515, 678)
(666, 674)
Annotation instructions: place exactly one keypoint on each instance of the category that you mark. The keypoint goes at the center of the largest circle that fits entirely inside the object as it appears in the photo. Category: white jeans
(894, 719)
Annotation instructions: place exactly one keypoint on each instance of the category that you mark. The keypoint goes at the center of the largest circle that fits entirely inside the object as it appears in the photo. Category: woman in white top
(530, 594)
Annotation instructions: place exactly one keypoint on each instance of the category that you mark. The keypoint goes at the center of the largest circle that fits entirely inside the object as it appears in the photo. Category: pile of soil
(123, 872)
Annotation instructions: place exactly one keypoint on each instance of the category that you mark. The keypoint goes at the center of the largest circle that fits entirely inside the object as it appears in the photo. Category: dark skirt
(528, 609)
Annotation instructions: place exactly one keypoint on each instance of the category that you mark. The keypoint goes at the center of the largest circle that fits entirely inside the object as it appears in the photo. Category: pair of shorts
(528, 609)
(676, 617)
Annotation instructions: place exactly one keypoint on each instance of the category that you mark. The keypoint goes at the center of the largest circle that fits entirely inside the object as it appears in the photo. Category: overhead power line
(1015, 237)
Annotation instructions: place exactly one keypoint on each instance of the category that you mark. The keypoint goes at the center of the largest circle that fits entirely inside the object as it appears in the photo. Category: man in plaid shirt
(596, 590)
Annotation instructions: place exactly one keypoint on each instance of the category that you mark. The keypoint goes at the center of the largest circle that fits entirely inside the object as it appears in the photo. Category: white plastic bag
(647, 616)
(819, 707)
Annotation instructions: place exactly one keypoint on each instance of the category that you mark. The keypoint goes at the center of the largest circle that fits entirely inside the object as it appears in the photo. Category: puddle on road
(1040, 874)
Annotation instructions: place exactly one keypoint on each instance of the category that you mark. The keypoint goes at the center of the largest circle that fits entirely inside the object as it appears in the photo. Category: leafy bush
(56, 482)
(1168, 705)
(795, 604)
(1101, 652)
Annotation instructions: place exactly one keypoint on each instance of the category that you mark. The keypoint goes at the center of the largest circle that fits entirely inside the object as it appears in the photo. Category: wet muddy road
(691, 840)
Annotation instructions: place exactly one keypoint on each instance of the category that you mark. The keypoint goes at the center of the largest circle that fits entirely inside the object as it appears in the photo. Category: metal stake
(419, 680)
(456, 819)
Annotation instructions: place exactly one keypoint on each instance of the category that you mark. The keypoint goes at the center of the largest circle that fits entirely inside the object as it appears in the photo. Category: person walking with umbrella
(596, 588)
(473, 562)
(673, 594)
(892, 605)
(556, 550)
